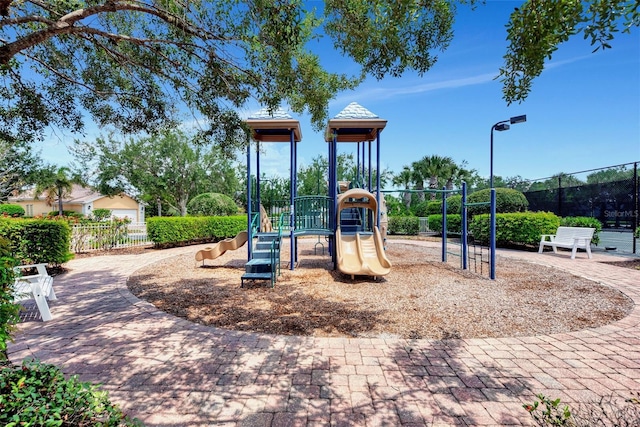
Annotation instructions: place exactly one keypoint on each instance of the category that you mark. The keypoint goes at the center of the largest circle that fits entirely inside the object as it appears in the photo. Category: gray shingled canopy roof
(355, 124)
(274, 126)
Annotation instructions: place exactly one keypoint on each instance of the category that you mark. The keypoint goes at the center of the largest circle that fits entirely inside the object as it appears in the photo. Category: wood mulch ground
(421, 297)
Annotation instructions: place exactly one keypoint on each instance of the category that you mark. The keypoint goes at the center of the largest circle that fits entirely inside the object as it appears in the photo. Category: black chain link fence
(590, 193)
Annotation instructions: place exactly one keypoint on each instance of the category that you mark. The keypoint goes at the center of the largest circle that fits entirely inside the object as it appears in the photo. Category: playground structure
(230, 244)
(318, 215)
(359, 249)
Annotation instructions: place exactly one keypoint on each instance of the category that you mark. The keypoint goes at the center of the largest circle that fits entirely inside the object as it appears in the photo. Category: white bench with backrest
(573, 238)
(38, 286)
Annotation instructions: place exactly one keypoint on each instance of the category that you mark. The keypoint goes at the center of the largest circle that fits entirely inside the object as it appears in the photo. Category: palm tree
(404, 178)
(457, 174)
(56, 185)
(434, 168)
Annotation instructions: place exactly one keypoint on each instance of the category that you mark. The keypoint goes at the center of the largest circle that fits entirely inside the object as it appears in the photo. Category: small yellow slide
(230, 244)
(360, 253)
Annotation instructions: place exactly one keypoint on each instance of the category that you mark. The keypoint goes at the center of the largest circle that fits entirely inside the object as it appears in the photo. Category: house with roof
(83, 200)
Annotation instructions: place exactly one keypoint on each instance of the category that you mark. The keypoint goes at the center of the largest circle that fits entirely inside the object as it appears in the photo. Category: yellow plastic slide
(230, 244)
(361, 254)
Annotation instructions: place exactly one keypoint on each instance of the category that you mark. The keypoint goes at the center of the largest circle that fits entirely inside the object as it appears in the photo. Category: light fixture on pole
(500, 126)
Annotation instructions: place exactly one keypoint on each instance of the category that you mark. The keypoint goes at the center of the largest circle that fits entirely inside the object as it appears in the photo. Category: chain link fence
(608, 194)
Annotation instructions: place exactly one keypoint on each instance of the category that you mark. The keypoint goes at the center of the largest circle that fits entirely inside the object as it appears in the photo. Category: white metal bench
(38, 286)
(573, 238)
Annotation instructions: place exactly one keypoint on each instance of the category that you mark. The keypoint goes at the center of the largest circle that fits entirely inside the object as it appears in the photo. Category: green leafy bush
(212, 204)
(454, 223)
(189, 230)
(38, 240)
(38, 394)
(518, 228)
(611, 410)
(583, 221)
(11, 210)
(637, 234)
(395, 206)
(8, 310)
(507, 200)
(67, 214)
(434, 207)
(404, 225)
(101, 214)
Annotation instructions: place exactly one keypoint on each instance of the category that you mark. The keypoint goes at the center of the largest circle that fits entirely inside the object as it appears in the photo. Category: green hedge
(38, 240)
(36, 394)
(212, 204)
(454, 223)
(583, 221)
(519, 228)
(434, 207)
(507, 200)
(8, 309)
(404, 225)
(175, 231)
(12, 210)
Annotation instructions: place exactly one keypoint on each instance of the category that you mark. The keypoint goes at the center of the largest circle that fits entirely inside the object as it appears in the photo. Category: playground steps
(265, 259)
(350, 220)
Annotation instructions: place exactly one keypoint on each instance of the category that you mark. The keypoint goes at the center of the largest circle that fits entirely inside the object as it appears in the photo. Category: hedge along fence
(38, 240)
(583, 221)
(176, 231)
(454, 223)
(404, 225)
(518, 228)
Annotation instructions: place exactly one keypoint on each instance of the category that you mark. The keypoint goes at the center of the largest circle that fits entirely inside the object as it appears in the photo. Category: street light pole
(500, 126)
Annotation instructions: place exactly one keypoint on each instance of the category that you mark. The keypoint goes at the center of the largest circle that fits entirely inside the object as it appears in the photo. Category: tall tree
(404, 178)
(133, 63)
(56, 185)
(538, 27)
(169, 168)
(129, 63)
(19, 166)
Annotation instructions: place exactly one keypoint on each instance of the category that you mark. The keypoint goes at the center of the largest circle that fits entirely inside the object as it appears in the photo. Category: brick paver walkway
(169, 372)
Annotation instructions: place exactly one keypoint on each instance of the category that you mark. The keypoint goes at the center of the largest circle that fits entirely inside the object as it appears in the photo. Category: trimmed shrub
(637, 232)
(65, 214)
(395, 206)
(38, 394)
(404, 225)
(175, 231)
(507, 200)
(8, 309)
(454, 223)
(212, 204)
(518, 228)
(38, 240)
(101, 214)
(583, 221)
(11, 210)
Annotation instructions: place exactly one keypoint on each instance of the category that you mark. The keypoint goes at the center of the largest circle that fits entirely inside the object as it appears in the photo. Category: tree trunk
(60, 210)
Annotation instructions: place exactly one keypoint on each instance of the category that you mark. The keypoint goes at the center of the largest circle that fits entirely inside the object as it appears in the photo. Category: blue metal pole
(258, 181)
(369, 187)
(444, 226)
(378, 175)
(249, 231)
(292, 155)
(464, 226)
(492, 237)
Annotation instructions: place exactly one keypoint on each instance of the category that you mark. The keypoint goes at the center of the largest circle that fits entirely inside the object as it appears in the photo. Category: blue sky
(583, 112)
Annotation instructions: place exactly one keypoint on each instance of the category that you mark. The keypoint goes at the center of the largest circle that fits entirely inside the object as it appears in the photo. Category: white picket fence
(107, 236)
